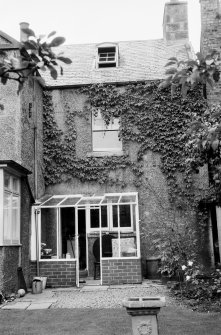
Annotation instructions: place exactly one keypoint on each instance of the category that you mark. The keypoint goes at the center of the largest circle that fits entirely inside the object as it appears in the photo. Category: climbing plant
(149, 118)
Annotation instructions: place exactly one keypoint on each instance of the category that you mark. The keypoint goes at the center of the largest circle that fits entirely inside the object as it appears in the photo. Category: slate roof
(138, 61)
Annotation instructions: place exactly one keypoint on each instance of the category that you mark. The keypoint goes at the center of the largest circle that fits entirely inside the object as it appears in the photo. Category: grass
(172, 320)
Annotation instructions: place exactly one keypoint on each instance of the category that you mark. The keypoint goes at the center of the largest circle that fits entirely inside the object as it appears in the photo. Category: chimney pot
(23, 36)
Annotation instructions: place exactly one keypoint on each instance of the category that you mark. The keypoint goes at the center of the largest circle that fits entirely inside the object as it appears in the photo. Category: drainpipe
(37, 212)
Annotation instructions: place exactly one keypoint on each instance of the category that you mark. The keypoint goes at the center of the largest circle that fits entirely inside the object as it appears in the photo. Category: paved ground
(89, 296)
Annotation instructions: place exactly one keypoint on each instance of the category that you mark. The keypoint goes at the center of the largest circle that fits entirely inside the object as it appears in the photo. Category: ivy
(149, 117)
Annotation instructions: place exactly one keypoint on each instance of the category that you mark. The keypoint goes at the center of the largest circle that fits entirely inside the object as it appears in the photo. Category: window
(94, 218)
(105, 137)
(107, 55)
(11, 209)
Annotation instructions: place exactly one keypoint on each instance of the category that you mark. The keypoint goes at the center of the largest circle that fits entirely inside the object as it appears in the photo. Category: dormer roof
(137, 61)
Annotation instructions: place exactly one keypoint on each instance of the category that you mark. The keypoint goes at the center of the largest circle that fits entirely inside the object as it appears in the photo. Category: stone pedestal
(144, 314)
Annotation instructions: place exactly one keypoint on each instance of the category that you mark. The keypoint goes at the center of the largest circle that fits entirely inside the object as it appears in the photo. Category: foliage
(202, 290)
(148, 118)
(203, 143)
(189, 73)
(152, 121)
(36, 54)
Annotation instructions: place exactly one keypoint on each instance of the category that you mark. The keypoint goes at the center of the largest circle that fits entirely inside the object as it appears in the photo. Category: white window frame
(110, 226)
(112, 127)
(108, 57)
(15, 193)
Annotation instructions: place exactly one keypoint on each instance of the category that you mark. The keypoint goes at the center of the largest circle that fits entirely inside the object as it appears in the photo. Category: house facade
(102, 144)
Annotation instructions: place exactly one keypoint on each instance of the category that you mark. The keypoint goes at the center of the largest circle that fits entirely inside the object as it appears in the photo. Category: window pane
(115, 217)
(15, 219)
(15, 184)
(106, 141)
(7, 218)
(48, 232)
(95, 217)
(125, 217)
(6, 181)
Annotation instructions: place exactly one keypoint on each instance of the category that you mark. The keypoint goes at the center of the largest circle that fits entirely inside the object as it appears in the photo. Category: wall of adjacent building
(211, 38)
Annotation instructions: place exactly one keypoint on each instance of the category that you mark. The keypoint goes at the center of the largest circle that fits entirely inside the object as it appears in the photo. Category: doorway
(68, 235)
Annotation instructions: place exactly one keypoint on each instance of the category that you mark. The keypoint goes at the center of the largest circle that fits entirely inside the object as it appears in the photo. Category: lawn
(173, 321)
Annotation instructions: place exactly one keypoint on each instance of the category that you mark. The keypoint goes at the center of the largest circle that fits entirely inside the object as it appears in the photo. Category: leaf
(61, 70)
(172, 70)
(210, 82)
(164, 84)
(32, 45)
(53, 72)
(65, 59)
(215, 145)
(28, 31)
(51, 34)
(216, 76)
(170, 63)
(173, 58)
(57, 41)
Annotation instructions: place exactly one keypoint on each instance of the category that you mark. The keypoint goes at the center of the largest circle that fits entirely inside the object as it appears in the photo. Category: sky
(94, 21)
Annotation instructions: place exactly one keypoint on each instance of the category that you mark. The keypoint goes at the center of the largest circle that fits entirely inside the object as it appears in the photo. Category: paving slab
(93, 288)
(39, 305)
(17, 305)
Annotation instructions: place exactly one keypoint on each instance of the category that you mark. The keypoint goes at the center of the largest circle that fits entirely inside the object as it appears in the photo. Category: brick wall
(58, 273)
(121, 271)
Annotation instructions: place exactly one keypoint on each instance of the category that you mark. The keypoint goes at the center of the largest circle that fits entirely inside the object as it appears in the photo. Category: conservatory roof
(78, 200)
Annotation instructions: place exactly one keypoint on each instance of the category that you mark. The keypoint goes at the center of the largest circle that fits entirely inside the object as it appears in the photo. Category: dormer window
(107, 55)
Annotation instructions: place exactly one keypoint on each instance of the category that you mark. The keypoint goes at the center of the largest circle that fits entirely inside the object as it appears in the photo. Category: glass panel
(111, 199)
(128, 198)
(15, 184)
(106, 141)
(48, 233)
(94, 214)
(125, 216)
(7, 218)
(70, 201)
(6, 181)
(53, 201)
(15, 219)
(90, 201)
(124, 246)
(67, 238)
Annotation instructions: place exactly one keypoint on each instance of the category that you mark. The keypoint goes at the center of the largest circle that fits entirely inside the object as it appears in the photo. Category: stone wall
(121, 271)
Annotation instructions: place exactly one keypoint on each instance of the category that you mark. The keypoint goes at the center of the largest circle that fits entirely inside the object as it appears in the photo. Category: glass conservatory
(94, 232)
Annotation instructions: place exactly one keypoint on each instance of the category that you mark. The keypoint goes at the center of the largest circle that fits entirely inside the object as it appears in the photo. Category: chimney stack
(23, 36)
(175, 21)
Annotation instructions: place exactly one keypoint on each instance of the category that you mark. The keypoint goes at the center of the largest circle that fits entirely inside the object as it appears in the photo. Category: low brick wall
(121, 271)
(58, 273)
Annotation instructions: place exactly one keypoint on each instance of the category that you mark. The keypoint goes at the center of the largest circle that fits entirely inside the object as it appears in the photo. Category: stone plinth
(144, 314)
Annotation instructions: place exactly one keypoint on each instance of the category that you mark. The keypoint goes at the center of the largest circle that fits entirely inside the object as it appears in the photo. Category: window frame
(105, 129)
(108, 62)
(12, 193)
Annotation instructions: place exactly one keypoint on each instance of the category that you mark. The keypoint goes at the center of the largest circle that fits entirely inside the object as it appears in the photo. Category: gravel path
(109, 297)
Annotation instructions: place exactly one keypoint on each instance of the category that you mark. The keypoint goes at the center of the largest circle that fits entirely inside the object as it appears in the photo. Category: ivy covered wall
(154, 163)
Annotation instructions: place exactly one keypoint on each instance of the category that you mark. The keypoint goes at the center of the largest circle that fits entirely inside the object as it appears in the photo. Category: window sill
(11, 245)
(104, 153)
